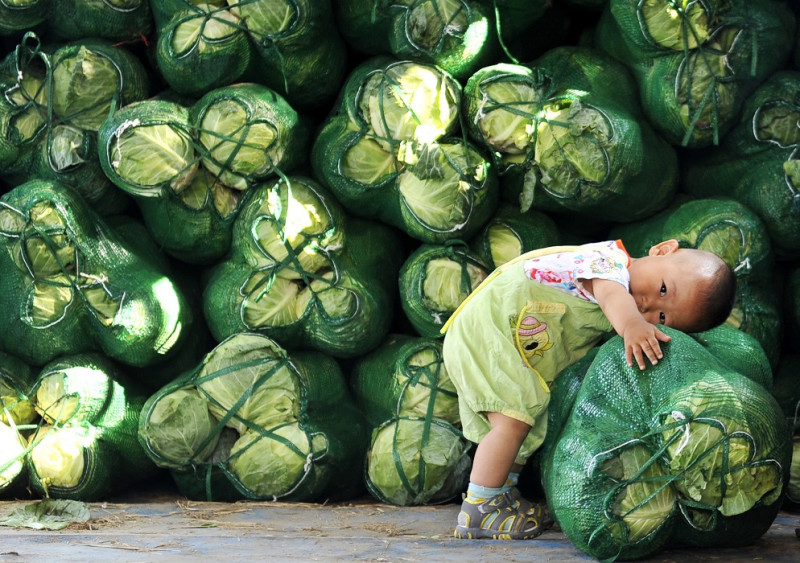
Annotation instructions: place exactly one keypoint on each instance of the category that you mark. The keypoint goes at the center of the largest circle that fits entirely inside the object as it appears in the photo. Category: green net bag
(253, 422)
(566, 134)
(434, 280)
(791, 309)
(187, 168)
(70, 284)
(86, 446)
(17, 420)
(55, 101)
(417, 454)
(390, 150)
(696, 62)
(786, 391)
(297, 49)
(731, 230)
(756, 162)
(22, 15)
(118, 20)
(510, 233)
(690, 452)
(304, 274)
(456, 35)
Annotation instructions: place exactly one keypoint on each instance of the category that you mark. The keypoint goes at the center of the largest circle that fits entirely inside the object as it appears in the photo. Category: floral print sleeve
(564, 270)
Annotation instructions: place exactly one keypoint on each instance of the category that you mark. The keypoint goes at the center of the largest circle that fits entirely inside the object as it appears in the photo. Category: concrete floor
(173, 529)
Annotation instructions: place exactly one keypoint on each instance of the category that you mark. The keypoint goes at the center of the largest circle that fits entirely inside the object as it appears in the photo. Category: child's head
(687, 289)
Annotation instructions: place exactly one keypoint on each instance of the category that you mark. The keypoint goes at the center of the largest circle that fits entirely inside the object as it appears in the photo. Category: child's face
(668, 288)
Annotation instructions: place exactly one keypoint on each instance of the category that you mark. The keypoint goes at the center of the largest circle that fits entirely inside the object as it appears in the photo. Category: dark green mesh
(53, 104)
(86, 446)
(791, 309)
(567, 136)
(17, 421)
(787, 392)
(188, 168)
(688, 452)
(456, 35)
(390, 150)
(110, 19)
(757, 163)
(253, 422)
(300, 272)
(24, 15)
(696, 62)
(417, 454)
(287, 45)
(434, 280)
(510, 233)
(734, 232)
(70, 284)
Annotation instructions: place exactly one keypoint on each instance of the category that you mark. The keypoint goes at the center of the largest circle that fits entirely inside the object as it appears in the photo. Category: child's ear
(664, 247)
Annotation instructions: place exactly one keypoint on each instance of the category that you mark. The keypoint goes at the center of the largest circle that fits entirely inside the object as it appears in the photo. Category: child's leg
(492, 509)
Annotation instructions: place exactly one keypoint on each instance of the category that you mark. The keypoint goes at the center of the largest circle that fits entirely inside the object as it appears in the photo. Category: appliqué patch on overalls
(530, 333)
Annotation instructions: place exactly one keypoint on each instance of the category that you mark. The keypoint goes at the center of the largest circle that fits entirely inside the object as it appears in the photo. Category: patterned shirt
(563, 270)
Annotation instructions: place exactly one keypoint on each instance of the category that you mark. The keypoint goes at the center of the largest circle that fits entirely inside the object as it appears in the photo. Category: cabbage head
(58, 455)
(426, 388)
(12, 454)
(676, 25)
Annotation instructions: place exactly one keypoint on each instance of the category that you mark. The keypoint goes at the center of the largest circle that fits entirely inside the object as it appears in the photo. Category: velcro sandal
(506, 516)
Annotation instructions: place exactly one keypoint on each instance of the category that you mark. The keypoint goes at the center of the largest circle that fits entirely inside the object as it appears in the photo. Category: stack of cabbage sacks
(17, 422)
(54, 101)
(417, 454)
(692, 451)
(696, 62)
(567, 135)
(253, 422)
(188, 167)
(392, 149)
(303, 273)
(85, 446)
(71, 284)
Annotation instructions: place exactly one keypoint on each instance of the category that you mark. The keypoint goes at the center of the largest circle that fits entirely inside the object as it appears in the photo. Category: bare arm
(641, 338)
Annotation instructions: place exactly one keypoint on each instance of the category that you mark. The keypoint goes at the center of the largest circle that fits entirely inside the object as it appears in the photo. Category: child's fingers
(663, 337)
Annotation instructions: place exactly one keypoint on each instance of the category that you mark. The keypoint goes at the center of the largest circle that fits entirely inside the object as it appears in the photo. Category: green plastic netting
(688, 452)
(288, 45)
(434, 280)
(390, 150)
(304, 274)
(187, 167)
(757, 162)
(567, 136)
(696, 62)
(734, 232)
(85, 446)
(787, 392)
(458, 36)
(417, 454)
(254, 422)
(16, 422)
(54, 100)
(70, 284)
(510, 233)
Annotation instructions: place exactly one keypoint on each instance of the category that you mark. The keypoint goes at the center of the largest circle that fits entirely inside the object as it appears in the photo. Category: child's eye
(662, 318)
(663, 289)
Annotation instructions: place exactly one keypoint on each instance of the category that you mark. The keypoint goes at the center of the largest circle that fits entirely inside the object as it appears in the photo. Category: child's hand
(642, 339)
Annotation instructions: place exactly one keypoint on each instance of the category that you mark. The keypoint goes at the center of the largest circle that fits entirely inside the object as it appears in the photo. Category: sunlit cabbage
(181, 428)
(15, 407)
(58, 456)
(676, 25)
(12, 455)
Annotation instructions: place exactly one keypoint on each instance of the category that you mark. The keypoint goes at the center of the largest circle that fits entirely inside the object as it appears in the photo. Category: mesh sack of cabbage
(254, 422)
(690, 452)
(117, 20)
(85, 446)
(458, 36)
(734, 232)
(567, 135)
(696, 62)
(288, 45)
(188, 167)
(756, 162)
(17, 420)
(54, 101)
(70, 284)
(22, 15)
(417, 454)
(304, 274)
(786, 391)
(392, 150)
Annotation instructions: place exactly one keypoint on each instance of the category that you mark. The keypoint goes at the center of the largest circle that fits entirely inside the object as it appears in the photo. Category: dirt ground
(163, 526)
